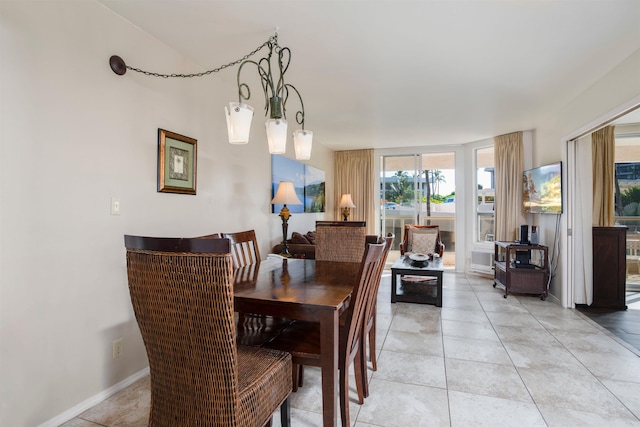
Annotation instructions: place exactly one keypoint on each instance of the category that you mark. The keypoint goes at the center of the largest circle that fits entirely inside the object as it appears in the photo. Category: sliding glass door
(419, 189)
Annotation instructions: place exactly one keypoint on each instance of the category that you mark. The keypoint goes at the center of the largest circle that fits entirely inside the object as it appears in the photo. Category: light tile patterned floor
(479, 360)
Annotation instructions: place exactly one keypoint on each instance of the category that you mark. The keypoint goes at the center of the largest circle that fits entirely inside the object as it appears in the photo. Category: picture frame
(177, 163)
(314, 189)
(286, 169)
(309, 183)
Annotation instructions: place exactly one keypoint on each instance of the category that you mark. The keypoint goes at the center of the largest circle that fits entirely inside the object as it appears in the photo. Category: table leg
(329, 343)
(393, 285)
(439, 289)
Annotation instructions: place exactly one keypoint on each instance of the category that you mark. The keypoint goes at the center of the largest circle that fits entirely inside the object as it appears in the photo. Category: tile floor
(479, 360)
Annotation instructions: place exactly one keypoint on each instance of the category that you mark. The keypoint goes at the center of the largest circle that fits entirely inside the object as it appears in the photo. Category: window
(485, 194)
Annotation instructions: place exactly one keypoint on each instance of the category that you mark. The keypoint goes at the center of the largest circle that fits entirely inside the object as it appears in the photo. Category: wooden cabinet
(609, 267)
(526, 278)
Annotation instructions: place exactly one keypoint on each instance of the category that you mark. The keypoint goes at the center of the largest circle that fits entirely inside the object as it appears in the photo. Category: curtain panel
(354, 174)
(603, 160)
(581, 218)
(509, 166)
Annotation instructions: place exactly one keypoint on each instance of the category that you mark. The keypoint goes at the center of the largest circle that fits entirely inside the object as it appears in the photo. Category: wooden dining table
(302, 289)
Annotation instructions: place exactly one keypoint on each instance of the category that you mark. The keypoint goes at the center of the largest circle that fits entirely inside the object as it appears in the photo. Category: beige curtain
(354, 174)
(509, 161)
(603, 158)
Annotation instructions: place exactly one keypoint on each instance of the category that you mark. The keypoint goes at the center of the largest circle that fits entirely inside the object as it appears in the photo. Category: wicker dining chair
(302, 339)
(182, 296)
(340, 240)
(244, 247)
(369, 330)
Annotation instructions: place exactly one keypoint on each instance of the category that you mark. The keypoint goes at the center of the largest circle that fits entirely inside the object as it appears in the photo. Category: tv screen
(542, 189)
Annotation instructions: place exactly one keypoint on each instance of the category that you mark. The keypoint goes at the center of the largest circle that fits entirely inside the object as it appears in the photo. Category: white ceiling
(397, 73)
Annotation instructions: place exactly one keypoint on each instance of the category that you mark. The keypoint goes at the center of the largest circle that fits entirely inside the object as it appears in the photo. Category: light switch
(115, 206)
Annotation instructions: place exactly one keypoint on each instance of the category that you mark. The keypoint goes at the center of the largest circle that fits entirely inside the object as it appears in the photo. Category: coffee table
(414, 289)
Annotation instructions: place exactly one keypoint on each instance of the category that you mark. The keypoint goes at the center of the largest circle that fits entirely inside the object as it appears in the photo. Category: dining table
(302, 289)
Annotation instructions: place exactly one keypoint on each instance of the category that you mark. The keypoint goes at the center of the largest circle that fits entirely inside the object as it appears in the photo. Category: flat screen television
(542, 189)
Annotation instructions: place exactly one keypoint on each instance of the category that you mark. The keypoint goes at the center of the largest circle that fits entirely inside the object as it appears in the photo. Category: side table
(420, 290)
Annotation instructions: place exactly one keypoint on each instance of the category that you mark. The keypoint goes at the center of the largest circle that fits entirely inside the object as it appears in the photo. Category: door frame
(568, 256)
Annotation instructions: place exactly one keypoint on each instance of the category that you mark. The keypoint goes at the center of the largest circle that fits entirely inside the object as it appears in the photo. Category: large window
(485, 195)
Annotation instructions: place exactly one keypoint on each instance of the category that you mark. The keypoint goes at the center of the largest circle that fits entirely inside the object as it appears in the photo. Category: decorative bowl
(418, 259)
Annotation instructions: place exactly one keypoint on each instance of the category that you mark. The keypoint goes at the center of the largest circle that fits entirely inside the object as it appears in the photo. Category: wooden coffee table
(414, 284)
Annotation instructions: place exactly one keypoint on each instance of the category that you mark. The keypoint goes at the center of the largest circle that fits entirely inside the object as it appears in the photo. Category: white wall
(73, 135)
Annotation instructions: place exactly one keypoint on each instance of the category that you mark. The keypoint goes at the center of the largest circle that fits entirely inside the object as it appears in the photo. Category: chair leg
(285, 413)
(372, 344)
(359, 370)
(295, 372)
(301, 376)
(362, 371)
(344, 396)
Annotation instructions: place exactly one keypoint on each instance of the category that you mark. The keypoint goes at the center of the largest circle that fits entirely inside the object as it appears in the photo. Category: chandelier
(276, 94)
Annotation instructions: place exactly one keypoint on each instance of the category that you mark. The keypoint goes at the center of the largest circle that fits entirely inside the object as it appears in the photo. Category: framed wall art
(308, 181)
(314, 183)
(285, 169)
(177, 163)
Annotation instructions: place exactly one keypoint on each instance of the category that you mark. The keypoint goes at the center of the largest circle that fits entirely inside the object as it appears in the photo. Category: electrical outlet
(116, 348)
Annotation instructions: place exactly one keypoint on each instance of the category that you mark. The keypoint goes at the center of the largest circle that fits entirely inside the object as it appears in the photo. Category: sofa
(304, 245)
(300, 245)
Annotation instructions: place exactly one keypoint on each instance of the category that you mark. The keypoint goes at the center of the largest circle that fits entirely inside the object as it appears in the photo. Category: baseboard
(94, 400)
(554, 299)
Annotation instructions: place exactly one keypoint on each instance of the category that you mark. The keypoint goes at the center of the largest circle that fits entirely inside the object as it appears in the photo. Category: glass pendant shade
(276, 135)
(302, 141)
(238, 122)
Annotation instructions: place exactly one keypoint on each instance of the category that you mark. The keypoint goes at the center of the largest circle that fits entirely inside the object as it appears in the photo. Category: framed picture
(314, 183)
(285, 169)
(177, 162)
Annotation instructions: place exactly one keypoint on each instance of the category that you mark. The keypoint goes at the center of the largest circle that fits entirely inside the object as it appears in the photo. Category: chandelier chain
(273, 39)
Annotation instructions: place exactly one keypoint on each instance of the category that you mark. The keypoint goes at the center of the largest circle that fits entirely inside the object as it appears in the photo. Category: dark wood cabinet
(609, 267)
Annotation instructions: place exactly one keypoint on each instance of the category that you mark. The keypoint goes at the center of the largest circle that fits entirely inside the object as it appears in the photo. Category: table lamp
(286, 194)
(346, 203)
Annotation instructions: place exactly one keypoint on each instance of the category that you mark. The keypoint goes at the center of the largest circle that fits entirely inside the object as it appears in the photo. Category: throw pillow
(424, 243)
(311, 237)
(414, 231)
(298, 238)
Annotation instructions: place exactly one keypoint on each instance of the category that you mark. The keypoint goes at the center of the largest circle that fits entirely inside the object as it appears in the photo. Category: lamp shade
(238, 122)
(346, 202)
(276, 135)
(302, 141)
(286, 194)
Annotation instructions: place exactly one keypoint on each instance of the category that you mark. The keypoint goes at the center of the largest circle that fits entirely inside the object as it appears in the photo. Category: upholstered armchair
(421, 238)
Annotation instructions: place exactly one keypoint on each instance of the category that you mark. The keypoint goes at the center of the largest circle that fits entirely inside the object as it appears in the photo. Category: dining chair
(182, 296)
(252, 329)
(369, 330)
(244, 247)
(302, 339)
(340, 240)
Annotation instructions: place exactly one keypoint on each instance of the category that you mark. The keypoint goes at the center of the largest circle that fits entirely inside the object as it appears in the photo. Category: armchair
(422, 238)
